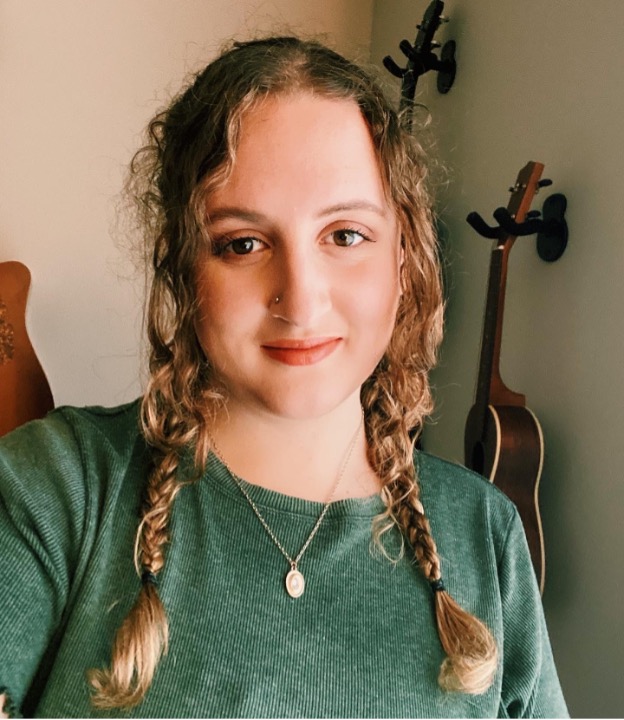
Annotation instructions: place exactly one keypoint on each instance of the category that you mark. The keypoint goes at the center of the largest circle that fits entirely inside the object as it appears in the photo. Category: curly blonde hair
(191, 149)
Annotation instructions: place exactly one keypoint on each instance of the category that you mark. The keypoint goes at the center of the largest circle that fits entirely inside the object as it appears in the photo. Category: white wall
(543, 81)
(78, 83)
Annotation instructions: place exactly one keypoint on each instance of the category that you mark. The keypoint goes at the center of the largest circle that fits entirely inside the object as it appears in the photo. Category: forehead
(308, 148)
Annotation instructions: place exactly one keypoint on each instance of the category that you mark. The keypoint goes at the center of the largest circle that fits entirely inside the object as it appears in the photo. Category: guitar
(503, 439)
(24, 390)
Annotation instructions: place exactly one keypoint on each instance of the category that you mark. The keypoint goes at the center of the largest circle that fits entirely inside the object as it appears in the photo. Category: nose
(301, 291)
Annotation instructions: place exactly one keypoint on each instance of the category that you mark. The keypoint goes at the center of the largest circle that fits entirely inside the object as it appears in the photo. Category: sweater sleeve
(530, 683)
(42, 512)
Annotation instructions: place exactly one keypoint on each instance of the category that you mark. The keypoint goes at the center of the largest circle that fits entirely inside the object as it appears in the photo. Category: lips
(306, 351)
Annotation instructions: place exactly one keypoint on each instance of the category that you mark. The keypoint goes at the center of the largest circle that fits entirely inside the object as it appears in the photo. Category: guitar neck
(490, 388)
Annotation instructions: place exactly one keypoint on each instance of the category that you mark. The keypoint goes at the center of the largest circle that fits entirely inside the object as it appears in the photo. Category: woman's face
(299, 295)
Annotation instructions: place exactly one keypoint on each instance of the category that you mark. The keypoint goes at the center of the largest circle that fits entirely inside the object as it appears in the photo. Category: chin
(304, 405)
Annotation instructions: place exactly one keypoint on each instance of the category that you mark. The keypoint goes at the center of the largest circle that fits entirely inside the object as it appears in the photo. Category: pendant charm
(295, 584)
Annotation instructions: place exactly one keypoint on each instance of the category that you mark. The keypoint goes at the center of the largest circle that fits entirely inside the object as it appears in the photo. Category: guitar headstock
(524, 190)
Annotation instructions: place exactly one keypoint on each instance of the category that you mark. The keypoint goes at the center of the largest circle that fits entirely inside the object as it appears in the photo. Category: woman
(284, 562)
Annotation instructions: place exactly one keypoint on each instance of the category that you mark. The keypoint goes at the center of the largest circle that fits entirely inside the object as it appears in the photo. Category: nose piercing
(277, 299)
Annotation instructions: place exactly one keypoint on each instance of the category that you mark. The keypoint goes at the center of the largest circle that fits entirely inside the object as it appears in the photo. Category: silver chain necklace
(295, 582)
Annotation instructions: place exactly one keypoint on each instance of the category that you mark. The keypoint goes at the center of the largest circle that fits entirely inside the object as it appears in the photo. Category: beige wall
(543, 81)
(78, 82)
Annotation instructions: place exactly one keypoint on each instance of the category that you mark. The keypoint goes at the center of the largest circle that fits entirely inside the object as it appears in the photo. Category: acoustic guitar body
(506, 445)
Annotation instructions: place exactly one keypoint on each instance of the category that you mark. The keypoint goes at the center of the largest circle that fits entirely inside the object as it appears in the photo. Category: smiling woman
(283, 556)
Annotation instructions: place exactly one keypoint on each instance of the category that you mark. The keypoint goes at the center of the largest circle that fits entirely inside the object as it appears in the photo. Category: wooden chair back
(24, 390)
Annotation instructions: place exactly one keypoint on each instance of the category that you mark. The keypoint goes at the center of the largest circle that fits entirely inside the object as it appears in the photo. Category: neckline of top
(217, 475)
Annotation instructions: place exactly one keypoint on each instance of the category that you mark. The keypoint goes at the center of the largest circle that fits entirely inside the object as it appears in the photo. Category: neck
(301, 458)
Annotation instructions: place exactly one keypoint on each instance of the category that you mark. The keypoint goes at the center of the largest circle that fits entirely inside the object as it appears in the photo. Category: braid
(411, 518)
(152, 534)
(471, 650)
(143, 637)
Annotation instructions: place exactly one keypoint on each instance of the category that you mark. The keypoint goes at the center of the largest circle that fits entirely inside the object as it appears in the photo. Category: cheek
(214, 310)
(228, 312)
(376, 302)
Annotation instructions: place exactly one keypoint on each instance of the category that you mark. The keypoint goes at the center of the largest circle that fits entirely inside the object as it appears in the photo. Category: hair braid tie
(437, 585)
(148, 578)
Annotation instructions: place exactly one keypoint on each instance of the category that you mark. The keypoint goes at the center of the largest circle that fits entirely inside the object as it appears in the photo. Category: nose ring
(277, 300)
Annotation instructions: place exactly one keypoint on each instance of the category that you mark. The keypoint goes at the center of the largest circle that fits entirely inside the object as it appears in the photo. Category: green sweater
(360, 642)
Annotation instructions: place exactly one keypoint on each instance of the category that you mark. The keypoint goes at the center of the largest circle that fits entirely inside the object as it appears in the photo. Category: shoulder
(107, 437)
(69, 430)
(69, 459)
(114, 426)
(449, 479)
(464, 508)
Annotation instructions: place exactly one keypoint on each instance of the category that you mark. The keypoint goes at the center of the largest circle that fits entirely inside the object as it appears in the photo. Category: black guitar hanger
(421, 58)
(550, 225)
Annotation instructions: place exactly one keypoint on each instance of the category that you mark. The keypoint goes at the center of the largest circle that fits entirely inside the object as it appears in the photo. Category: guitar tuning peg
(434, 45)
(533, 214)
(443, 19)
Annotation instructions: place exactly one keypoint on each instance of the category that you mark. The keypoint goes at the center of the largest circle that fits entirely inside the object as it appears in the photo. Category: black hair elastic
(148, 578)
(437, 585)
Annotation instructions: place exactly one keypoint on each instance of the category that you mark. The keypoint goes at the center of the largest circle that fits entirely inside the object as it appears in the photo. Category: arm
(530, 683)
(41, 496)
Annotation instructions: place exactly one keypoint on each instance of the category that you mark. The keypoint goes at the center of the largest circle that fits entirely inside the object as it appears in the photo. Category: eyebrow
(240, 213)
(353, 205)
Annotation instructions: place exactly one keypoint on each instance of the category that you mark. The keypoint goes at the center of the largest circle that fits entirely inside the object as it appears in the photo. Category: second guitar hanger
(550, 225)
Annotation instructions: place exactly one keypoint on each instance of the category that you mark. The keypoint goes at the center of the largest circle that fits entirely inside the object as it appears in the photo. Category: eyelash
(353, 230)
(222, 245)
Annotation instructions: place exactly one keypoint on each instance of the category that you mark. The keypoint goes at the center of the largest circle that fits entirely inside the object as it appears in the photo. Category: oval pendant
(295, 584)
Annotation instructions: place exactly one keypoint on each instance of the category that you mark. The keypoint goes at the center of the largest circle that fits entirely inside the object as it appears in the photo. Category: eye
(348, 237)
(237, 246)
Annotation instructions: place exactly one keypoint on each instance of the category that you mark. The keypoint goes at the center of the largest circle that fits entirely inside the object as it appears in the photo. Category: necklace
(294, 581)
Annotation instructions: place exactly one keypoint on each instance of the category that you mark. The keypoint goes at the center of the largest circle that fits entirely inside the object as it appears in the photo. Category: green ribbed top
(360, 642)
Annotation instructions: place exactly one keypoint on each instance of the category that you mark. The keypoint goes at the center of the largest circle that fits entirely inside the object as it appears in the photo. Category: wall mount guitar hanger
(420, 56)
(549, 225)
